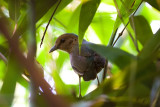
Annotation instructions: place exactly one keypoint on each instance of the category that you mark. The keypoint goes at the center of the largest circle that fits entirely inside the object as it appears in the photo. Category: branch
(121, 33)
(36, 76)
(49, 22)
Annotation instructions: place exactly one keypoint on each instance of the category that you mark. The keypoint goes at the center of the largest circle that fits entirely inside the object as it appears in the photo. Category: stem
(3, 58)
(120, 34)
(32, 68)
(98, 81)
(49, 22)
(105, 70)
(112, 37)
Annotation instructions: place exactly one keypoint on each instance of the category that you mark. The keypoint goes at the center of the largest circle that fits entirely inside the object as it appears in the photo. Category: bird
(86, 63)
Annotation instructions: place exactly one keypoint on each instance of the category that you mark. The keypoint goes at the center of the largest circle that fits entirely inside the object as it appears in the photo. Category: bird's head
(65, 42)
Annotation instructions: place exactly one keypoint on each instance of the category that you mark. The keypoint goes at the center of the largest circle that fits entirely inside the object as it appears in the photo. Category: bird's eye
(62, 40)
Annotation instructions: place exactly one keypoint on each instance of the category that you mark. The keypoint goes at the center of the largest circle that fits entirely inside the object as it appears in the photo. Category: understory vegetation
(125, 32)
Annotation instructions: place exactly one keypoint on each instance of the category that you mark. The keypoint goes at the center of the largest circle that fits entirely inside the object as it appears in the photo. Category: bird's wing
(79, 63)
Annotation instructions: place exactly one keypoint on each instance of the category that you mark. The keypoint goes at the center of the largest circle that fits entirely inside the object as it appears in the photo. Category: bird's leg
(79, 86)
(98, 81)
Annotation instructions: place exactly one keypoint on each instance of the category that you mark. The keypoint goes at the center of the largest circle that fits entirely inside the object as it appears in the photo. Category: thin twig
(110, 44)
(49, 22)
(120, 34)
(119, 14)
(3, 58)
(105, 70)
(112, 37)
(135, 42)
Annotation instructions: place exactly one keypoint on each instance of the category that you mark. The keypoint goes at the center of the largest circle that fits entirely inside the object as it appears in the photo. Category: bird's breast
(79, 63)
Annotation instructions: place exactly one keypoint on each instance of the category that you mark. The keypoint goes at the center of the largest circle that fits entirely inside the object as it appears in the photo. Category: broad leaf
(154, 3)
(115, 55)
(9, 83)
(102, 24)
(151, 49)
(87, 13)
(124, 10)
(74, 21)
(142, 29)
(14, 9)
(60, 86)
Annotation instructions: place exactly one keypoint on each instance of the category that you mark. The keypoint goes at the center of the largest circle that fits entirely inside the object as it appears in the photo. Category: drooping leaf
(87, 13)
(60, 86)
(102, 24)
(142, 29)
(14, 9)
(48, 14)
(124, 10)
(115, 55)
(41, 8)
(151, 49)
(9, 83)
(74, 21)
(154, 3)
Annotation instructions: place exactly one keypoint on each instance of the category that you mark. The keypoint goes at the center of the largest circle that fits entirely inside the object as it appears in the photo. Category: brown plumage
(87, 64)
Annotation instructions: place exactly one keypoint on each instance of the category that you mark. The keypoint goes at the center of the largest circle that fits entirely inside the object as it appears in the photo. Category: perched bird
(87, 63)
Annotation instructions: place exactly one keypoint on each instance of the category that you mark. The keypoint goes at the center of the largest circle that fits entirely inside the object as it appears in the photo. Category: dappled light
(113, 61)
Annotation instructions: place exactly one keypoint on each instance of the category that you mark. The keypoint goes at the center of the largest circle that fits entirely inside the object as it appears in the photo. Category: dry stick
(49, 22)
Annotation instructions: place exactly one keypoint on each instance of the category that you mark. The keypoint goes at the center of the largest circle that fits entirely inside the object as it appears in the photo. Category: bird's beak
(53, 48)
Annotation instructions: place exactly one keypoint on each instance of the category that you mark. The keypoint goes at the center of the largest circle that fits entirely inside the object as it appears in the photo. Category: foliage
(133, 52)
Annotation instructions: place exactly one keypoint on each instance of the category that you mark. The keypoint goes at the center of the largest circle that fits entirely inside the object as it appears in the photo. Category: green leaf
(102, 24)
(153, 3)
(48, 14)
(87, 13)
(124, 10)
(41, 9)
(142, 29)
(60, 86)
(84, 87)
(151, 49)
(74, 21)
(61, 60)
(14, 9)
(10, 80)
(115, 55)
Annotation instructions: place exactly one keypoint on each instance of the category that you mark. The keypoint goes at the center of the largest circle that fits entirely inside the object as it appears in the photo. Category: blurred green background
(133, 76)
